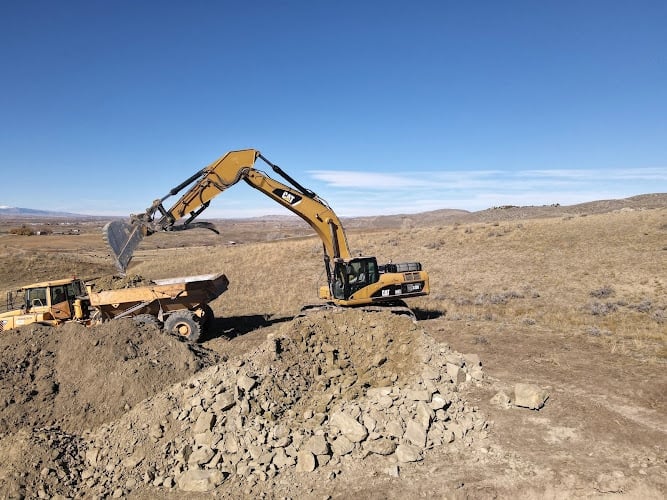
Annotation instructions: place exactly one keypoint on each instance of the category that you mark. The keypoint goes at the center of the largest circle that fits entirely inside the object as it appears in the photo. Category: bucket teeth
(122, 238)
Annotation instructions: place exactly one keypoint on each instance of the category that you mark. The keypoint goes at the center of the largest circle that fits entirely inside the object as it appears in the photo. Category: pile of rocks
(41, 463)
(329, 387)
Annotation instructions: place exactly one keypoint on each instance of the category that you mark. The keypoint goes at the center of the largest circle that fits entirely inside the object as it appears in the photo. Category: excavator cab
(352, 275)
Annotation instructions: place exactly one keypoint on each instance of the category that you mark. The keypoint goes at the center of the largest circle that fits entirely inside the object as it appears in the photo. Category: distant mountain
(30, 212)
(442, 216)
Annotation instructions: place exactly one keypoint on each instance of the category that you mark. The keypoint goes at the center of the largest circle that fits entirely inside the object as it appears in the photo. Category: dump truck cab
(48, 302)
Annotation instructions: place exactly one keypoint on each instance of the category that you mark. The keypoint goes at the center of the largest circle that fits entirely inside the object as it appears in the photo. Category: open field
(573, 299)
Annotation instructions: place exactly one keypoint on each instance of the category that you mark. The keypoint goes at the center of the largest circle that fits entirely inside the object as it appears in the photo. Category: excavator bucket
(123, 238)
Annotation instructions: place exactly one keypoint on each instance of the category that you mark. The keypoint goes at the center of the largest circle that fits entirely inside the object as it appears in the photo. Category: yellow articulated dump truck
(179, 305)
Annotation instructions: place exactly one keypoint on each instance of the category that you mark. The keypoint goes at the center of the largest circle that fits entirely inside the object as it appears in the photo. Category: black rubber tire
(183, 324)
(207, 318)
(146, 319)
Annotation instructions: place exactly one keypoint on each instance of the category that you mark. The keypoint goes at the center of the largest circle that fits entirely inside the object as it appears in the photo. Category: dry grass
(555, 274)
(265, 278)
(601, 276)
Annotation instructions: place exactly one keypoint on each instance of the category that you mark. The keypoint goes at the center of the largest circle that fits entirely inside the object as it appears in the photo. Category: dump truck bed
(188, 292)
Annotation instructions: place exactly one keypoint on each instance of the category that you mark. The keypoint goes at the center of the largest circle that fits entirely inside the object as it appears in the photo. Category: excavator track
(396, 307)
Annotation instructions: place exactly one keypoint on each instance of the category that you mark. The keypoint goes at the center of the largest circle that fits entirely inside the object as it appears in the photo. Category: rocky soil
(114, 282)
(123, 410)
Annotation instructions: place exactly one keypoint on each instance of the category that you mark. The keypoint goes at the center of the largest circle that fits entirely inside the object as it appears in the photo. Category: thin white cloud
(366, 180)
(653, 173)
(358, 193)
(483, 179)
(369, 193)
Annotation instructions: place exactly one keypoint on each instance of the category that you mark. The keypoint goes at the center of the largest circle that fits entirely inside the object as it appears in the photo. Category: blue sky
(378, 106)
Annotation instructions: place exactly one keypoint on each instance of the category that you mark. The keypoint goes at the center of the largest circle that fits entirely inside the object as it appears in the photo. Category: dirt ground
(116, 411)
(601, 434)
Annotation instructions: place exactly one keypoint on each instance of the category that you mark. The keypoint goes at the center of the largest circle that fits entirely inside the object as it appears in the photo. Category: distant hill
(441, 216)
(510, 212)
(30, 212)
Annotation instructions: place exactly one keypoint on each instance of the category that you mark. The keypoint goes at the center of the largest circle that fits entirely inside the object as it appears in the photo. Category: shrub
(22, 231)
(601, 293)
(601, 308)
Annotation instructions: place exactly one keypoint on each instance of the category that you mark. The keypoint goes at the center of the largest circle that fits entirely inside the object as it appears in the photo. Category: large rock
(349, 427)
(424, 415)
(456, 373)
(245, 383)
(342, 446)
(415, 433)
(281, 460)
(201, 456)
(501, 399)
(318, 445)
(394, 428)
(530, 396)
(200, 480)
(305, 462)
(408, 453)
(380, 446)
(204, 422)
(223, 402)
(418, 395)
(438, 402)
(472, 360)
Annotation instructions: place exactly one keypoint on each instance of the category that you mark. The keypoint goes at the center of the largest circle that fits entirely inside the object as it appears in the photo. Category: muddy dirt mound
(113, 282)
(76, 377)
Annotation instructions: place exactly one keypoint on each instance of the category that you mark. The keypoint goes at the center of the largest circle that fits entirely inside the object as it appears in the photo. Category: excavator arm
(123, 237)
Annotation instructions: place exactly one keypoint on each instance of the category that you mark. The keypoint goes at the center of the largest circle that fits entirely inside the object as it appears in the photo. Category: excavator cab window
(363, 270)
(354, 275)
(339, 282)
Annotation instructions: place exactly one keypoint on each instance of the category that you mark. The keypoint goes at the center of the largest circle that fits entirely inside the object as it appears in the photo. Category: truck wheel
(146, 319)
(183, 324)
(207, 317)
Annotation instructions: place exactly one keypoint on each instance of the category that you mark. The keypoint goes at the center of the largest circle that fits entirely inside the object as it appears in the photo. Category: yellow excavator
(352, 281)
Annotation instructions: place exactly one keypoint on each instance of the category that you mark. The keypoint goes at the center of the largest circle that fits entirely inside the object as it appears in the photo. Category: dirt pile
(76, 378)
(40, 463)
(325, 392)
(113, 282)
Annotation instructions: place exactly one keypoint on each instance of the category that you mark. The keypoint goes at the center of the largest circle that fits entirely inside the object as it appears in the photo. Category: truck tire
(146, 319)
(208, 317)
(183, 324)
